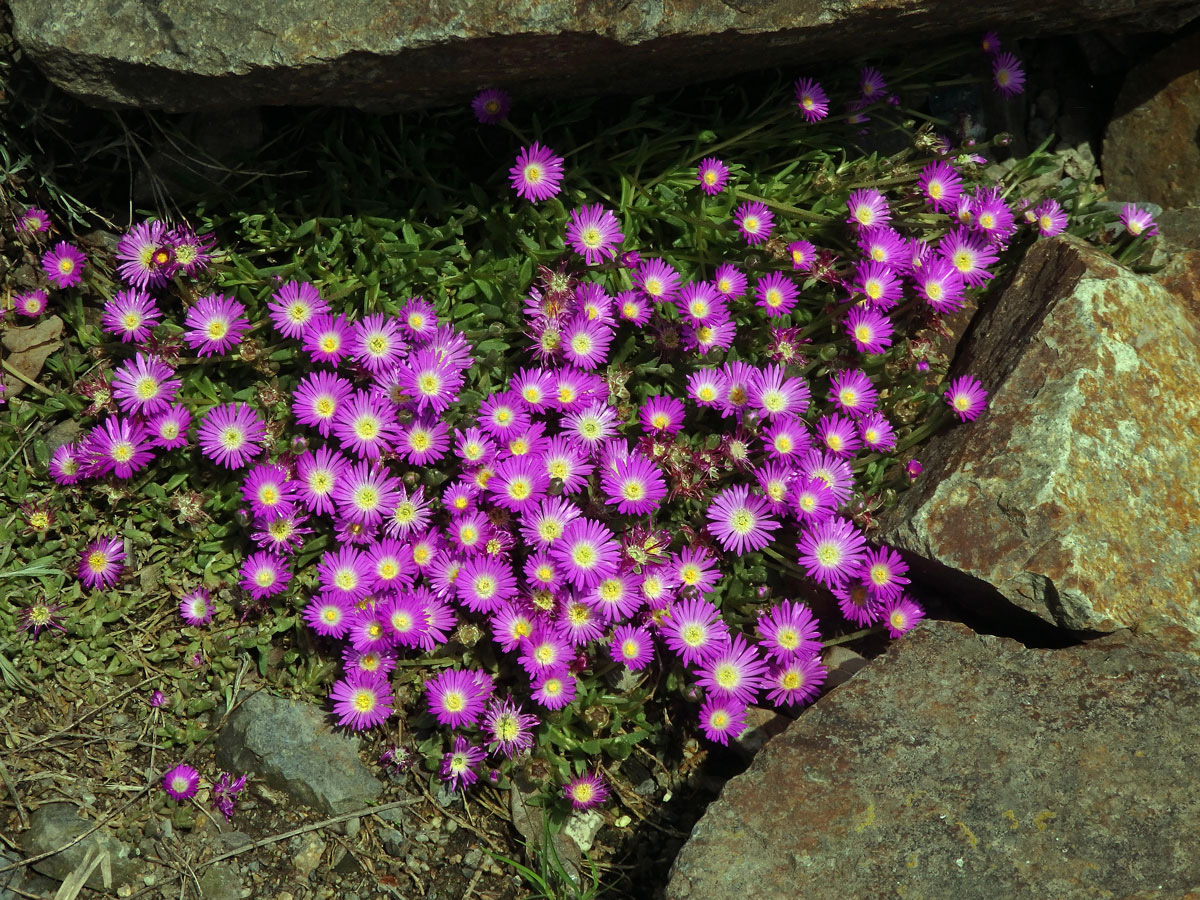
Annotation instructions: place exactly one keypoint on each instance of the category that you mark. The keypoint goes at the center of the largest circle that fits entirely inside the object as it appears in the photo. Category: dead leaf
(28, 349)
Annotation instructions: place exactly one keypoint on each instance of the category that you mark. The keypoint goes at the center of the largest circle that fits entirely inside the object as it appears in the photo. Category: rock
(842, 663)
(56, 824)
(306, 859)
(762, 724)
(969, 766)
(289, 746)
(1150, 149)
(1076, 495)
(185, 57)
(221, 881)
(29, 347)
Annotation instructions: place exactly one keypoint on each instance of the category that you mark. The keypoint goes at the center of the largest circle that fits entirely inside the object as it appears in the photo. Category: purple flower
(294, 306)
(966, 397)
(734, 672)
(868, 207)
(693, 630)
(879, 282)
(594, 233)
(318, 473)
(120, 446)
(144, 256)
(883, 244)
(189, 249)
(1007, 74)
(634, 485)
(33, 221)
(554, 690)
(491, 106)
(712, 175)
(40, 615)
(484, 583)
(361, 700)
(1050, 218)
(729, 281)
(327, 338)
(940, 285)
(811, 499)
(432, 381)
(546, 650)
(883, 573)
(587, 551)
(31, 303)
(267, 489)
(365, 425)
(901, 615)
(851, 390)
(328, 616)
(509, 727)
(586, 342)
(993, 218)
(100, 563)
(657, 280)
(789, 630)
(63, 265)
(811, 99)
(869, 328)
(831, 551)
(662, 414)
(796, 680)
(377, 344)
(786, 438)
(456, 697)
(969, 255)
(585, 791)
(537, 173)
(777, 294)
(754, 221)
(941, 184)
(741, 522)
(1137, 221)
(365, 492)
(876, 432)
(215, 325)
(722, 719)
(195, 608)
(264, 575)
(144, 385)
(225, 794)
(696, 568)
(633, 646)
(802, 253)
(168, 430)
(459, 765)
(839, 435)
(181, 782)
(130, 314)
(871, 84)
(775, 395)
(231, 434)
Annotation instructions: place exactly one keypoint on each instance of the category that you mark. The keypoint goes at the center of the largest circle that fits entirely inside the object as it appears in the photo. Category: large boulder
(404, 54)
(1151, 151)
(1076, 495)
(968, 766)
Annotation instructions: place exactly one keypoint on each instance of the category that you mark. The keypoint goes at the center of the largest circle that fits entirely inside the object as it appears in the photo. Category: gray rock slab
(290, 746)
(403, 54)
(57, 824)
(967, 766)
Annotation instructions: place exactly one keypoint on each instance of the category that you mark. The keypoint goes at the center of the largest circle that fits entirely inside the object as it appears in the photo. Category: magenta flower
(902, 615)
(993, 218)
(318, 398)
(712, 175)
(431, 380)
(231, 434)
(585, 791)
(586, 342)
(554, 690)
(882, 244)
(941, 184)
(424, 440)
(789, 630)
(327, 338)
(362, 700)
(1137, 221)
(701, 303)
(734, 672)
(693, 630)
(587, 552)
(31, 303)
(1050, 218)
(491, 107)
(755, 221)
(195, 608)
(365, 492)
(215, 325)
(883, 573)
(592, 426)
(775, 395)
(633, 307)
(317, 474)
(722, 719)
(510, 728)
(857, 604)
(851, 390)
(657, 280)
(405, 619)
(969, 255)
(633, 646)
(741, 522)
(144, 258)
(66, 464)
(459, 765)
(566, 461)
(696, 567)
(868, 207)
(264, 575)
(802, 254)
(796, 680)
(376, 342)
(811, 99)
(365, 425)
(594, 233)
(811, 499)
(871, 84)
(294, 306)
(130, 314)
(876, 432)
(786, 438)
(537, 173)
(545, 651)
(100, 563)
(831, 551)
(940, 285)
(267, 489)
(966, 397)
(456, 697)
(880, 282)
(225, 794)
(168, 429)
(839, 435)
(704, 386)
(328, 616)
(548, 522)
(63, 265)
(33, 221)
(181, 782)
(484, 583)
(634, 485)
(662, 414)
(777, 294)
(143, 385)
(869, 328)
(190, 250)
(120, 446)
(503, 415)
(1007, 74)
(990, 42)
(832, 469)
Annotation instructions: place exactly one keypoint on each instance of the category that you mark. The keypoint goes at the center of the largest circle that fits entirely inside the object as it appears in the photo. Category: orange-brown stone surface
(1076, 495)
(967, 766)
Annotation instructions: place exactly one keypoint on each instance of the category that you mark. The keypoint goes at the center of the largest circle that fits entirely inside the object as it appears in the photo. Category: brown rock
(1151, 151)
(406, 54)
(1076, 495)
(966, 766)
(28, 349)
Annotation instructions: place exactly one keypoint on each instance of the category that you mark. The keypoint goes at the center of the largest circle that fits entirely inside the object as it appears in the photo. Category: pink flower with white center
(365, 425)
(901, 615)
(100, 563)
(852, 392)
(633, 646)
(797, 680)
(365, 493)
(268, 491)
(694, 631)
(362, 700)
(839, 435)
(377, 344)
(712, 175)
(969, 254)
(831, 551)
(735, 672)
(722, 719)
(587, 551)
(755, 222)
(594, 233)
(789, 630)
(120, 446)
(940, 285)
(740, 521)
(883, 573)
(130, 314)
(811, 99)
(879, 282)
(545, 651)
(777, 294)
(215, 325)
(634, 485)
(327, 338)
(294, 306)
(484, 583)
(64, 264)
(264, 575)
(776, 395)
(967, 398)
(657, 280)
(941, 184)
(143, 385)
(537, 173)
(869, 329)
(868, 207)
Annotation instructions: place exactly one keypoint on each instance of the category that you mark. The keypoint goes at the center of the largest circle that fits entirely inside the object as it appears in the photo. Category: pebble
(393, 841)
(472, 858)
(309, 856)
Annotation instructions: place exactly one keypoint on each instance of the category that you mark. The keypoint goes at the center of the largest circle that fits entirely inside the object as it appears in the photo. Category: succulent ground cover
(537, 442)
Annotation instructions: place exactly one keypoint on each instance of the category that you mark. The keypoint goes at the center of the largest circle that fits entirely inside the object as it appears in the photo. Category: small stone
(306, 860)
(56, 824)
(393, 841)
(472, 858)
(221, 881)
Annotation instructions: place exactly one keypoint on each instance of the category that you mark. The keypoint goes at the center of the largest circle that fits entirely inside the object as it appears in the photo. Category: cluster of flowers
(183, 781)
